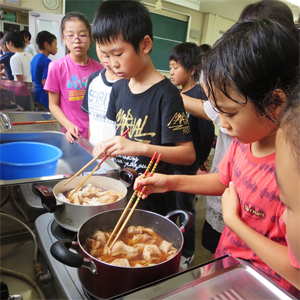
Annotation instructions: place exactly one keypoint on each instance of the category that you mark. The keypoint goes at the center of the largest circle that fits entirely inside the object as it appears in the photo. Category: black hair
(187, 55)
(26, 33)
(204, 48)
(271, 9)
(255, 57)
(129, 20)
(15, 37)
(75, 15)
(1, 34)
(44, 36)
(290, 123)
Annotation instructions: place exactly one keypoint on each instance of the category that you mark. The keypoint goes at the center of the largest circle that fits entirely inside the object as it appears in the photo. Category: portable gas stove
(65, 279)
(223, 278)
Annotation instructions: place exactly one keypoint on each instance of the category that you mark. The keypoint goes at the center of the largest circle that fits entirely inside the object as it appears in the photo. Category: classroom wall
(38, 6)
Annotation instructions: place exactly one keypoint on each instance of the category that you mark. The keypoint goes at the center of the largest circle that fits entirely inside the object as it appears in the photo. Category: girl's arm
(20, 77)
(194, 107)
(54, 107)
(277, 258)
(207, 184)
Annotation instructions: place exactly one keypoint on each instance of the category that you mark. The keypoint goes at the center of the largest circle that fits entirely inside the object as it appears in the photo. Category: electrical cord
(26, 278)
(37, 267)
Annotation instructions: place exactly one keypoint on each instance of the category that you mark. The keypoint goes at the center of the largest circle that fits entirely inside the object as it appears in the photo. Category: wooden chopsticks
(131, 201)
(100, 163)
(89, 163)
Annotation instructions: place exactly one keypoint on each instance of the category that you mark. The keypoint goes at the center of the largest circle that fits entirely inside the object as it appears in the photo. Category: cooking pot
(102, 280)
(72, 216)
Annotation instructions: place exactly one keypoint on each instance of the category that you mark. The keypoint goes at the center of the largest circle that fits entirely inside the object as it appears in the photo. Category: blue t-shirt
(39, 70)
(5, 59)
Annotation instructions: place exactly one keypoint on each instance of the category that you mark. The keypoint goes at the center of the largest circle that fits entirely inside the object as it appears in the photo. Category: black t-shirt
(203, 134)
(157, 117)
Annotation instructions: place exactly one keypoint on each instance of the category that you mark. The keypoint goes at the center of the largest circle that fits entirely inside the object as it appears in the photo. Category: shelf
(13, 7)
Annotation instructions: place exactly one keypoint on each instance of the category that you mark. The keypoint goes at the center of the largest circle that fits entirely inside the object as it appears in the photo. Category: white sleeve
(213, 114)
(16, 65)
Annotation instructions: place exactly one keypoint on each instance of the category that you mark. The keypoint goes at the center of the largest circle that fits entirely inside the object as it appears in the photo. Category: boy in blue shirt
(47, 44)
(143, 100)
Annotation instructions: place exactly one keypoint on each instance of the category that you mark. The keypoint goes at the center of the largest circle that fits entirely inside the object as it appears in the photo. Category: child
(95, 102)
(248, 86)
(47, 44)
(67, 77)
(5, 59)
(184, 60)
(288, 178)
(29, 47)
(20, 62)
(288, 173)
(143, 100)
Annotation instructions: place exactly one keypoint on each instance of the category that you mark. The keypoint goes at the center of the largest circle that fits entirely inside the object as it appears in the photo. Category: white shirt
(20, 65)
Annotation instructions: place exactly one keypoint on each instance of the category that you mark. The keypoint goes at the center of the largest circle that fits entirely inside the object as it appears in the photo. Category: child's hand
(119, 145)
(72, 133)
(98, 149)
(158, 183)
(230, 206)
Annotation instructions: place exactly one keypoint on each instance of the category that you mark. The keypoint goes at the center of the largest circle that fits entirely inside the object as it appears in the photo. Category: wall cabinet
(6, 25)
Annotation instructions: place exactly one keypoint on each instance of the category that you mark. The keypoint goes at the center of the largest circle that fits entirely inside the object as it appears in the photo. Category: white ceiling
(231, 9)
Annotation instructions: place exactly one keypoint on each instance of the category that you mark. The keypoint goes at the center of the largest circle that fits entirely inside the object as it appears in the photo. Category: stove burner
(62, 233)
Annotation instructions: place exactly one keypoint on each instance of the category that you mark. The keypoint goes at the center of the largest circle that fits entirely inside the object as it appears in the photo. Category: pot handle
(60, 251)
(48, 199)
(128, 176)
(188, 221)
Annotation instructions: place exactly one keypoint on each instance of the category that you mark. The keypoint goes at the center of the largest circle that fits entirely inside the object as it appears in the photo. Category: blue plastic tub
(27, 160)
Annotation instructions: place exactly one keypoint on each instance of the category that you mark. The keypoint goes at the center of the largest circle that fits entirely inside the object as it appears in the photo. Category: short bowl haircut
(187, 55)
(254, 57)
(44, 36)
(26, 33)
(290, 123)
(129, 20)
(15, 37)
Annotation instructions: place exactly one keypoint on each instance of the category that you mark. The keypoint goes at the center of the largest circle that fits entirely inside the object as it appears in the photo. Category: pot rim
(85, 185)
(136, 210)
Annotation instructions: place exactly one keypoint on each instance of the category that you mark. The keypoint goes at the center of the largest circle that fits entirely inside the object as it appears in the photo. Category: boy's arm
(180, 154)
(207, 184)
(259, 244)
(194, 107)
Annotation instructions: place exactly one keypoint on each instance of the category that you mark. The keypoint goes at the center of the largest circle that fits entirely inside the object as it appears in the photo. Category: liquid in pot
(137, 246)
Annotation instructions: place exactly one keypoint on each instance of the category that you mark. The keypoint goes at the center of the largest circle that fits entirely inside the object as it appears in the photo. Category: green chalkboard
(167, 32)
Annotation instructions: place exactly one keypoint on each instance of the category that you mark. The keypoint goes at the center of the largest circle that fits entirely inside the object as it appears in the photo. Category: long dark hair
(255, 57)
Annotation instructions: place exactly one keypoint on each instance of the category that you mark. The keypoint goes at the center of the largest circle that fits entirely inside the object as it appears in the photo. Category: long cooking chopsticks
(131, 200)
(135, 204)
(33, 122)
(100, 163)
(89, 163)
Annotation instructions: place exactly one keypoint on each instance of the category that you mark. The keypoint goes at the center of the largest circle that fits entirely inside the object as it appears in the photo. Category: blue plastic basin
(27, 160)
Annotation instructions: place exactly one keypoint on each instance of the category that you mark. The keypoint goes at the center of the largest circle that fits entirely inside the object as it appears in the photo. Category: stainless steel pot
(72, 216)
(103, 280)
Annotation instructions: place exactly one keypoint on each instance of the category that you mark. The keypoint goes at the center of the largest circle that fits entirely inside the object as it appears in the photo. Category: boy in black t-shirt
(184, 61)
(143, 100)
